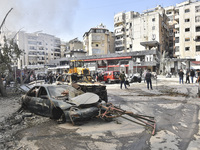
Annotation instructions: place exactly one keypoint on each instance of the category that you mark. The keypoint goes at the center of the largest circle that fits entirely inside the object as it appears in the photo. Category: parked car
(111, 76)
(60, 102)
(134, 78)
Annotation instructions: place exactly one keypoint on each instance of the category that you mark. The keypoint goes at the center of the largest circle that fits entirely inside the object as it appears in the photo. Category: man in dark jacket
(192, 74)
(122, 77)
(148, 79)
(187, 76)
(181, 73)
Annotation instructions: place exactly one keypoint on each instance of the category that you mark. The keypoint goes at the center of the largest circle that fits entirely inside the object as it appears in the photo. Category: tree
(162, 59)
(8, 52)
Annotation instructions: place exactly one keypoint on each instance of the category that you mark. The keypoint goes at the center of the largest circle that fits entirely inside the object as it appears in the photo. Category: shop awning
(111, 58)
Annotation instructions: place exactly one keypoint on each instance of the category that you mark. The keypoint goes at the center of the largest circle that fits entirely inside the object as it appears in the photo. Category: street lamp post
(15, 65)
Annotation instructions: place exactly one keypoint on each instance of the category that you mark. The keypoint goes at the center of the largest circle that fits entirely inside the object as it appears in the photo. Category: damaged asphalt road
(177, 119)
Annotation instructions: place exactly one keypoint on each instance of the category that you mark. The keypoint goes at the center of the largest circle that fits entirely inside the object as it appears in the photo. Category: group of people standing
(147, 78)
(189, 74)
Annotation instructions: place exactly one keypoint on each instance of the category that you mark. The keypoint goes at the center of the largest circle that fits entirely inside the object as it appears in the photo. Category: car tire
(59, 115)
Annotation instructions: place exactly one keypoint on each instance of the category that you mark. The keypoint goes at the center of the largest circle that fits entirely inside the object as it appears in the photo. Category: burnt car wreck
(68, 103)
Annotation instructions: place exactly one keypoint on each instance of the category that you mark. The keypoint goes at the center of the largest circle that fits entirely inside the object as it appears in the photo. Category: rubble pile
(13, 121)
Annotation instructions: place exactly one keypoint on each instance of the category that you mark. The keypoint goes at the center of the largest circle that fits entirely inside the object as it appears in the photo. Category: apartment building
(38, 49)
(170, 12)
(98, 41)
(63, 49)
(75, 48)
(135, 31)
(187, 29)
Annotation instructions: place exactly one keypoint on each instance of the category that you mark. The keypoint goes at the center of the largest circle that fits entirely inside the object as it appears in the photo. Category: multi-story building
(63, 49)
(135, 32)
(98, 41)
(75, 48)
(187, 29)
(170, 12)
(38, 49)
(74, 44)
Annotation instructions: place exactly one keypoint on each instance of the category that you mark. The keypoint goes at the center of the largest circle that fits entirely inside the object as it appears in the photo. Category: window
(169, 12)
(32, 42)
(32, 48)
(187, 39)
(198, 48)
(153, 28)
(187, 20)
(177, 49)
(197, 19)
(187, 29)
(197, 39)
(177, 40)
(187, 48)
(97, 45)
(187, 10)
(197, 28)
(197, 8)
(153, 19)
(99, 31)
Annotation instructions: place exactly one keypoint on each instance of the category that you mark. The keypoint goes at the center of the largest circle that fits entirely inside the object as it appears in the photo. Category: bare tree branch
(5, 19)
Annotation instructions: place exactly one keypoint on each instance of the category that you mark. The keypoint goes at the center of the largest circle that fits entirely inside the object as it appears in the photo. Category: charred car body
(58, 101)
(69, 103)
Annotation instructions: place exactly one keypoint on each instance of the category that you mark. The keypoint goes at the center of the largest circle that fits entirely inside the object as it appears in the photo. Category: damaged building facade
(98, 41)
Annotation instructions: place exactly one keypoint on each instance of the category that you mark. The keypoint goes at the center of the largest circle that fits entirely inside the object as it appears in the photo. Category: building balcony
(177, 26)
(32, 55)
(177, 44)
(177, 34)
(96, 40)
(119, 50)
(33, 50)
(120, 33)
(56, 51)
(56, 57)
(119, 45)
(119, 21)
(119, 27)
(121, 39)
(177, 53)
(177, 17)
(40, 60)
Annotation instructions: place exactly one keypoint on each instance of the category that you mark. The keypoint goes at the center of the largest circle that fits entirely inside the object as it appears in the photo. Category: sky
(68, 19)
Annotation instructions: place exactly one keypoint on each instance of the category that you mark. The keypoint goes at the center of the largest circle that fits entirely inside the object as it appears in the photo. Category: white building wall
(38, 48)
(139, 28)
(182, 25)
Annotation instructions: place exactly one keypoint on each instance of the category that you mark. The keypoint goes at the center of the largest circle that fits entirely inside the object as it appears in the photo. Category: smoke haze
(51, 16)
